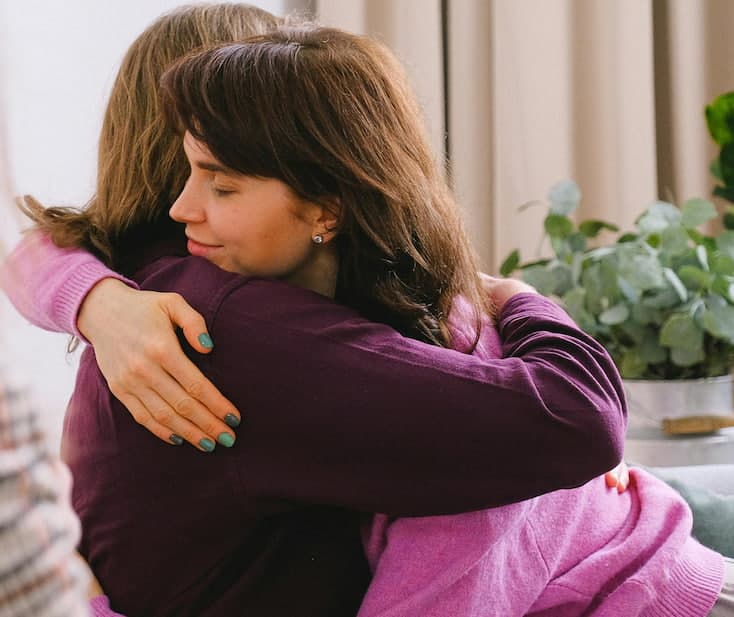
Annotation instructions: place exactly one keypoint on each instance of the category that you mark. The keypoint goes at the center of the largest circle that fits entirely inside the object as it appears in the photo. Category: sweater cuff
(693, 586)
(71, 295)
(100, 607)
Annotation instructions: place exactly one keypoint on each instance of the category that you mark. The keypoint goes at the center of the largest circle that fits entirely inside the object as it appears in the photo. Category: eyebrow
(216, 168)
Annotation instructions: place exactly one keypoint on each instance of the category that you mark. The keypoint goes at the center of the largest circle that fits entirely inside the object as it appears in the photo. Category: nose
(187, 208)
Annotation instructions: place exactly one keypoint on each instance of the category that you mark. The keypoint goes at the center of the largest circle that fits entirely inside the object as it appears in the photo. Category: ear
(327, 220)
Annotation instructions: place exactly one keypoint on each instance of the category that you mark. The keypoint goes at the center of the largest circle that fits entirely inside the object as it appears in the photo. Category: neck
(321, 274)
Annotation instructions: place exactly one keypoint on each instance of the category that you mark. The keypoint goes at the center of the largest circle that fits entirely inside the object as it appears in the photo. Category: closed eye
(222, 192)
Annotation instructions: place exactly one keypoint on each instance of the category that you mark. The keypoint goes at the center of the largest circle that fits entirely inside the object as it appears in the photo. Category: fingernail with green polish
(226, 440)
(231, 420)
(206, 340)
(176, 440)
(207, 444)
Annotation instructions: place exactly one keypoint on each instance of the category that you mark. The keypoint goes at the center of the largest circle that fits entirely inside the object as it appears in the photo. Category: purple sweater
(586, 551)
(339, 413)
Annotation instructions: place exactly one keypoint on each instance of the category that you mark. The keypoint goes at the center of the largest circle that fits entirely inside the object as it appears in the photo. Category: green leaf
(654, 240)
(725, 243)
(718, 318)
(592, 228)
(558, 226)
(723, 286)
(719, 118)
(628, 237)
(726, 192)
(678, 286)
(728, 218)
(576, 242)
(532, 264)
(632, 366)
(715, 169)
(615, 314)
(694, 278)
(680, 330)
(726, 164)
(644, 314)
(575, 304)
(510, 264)
(721, 263)
(635, 331)
(562, 277)
(696, 212)
(657, 217)
(703, 258)
(681, 356)
(641, 270)
(600, 281)
(540, 277)
(564, 197)
(650, 349)
(663, 299)
(674, 240)
(629, 291)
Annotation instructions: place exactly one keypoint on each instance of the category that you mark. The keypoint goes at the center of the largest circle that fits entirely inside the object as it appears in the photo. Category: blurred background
(517, 94)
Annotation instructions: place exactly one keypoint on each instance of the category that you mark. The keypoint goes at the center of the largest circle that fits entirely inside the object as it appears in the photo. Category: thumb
(190, 321)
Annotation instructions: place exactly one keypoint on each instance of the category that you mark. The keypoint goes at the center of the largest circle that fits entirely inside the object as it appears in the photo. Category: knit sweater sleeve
(48, 284)
(389, 424)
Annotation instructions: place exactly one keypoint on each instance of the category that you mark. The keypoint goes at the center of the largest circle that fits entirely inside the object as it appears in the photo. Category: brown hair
(141, 168)
(331, 115)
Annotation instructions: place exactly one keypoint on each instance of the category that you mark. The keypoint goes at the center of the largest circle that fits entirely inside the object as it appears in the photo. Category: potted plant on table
(660, 298)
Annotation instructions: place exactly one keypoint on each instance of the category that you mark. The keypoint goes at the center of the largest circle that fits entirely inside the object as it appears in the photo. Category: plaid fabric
(40, 575)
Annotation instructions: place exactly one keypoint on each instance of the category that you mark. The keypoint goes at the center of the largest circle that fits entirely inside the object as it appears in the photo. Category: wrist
(97, 305)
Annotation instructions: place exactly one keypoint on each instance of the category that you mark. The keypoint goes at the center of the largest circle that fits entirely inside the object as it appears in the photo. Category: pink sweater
(48, 284)
(584, 551)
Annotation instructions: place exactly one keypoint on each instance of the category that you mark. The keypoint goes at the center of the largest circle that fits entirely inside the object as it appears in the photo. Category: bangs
(246, 111)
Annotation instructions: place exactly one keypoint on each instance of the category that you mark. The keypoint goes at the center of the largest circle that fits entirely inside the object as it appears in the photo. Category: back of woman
(168, 531)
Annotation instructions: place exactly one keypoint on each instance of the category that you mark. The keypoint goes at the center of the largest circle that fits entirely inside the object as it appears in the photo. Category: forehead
(200, 157)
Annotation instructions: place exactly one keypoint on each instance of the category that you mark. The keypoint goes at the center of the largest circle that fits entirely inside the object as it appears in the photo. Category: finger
(190, 321)
(611, 479)
(142, 417)
(624, 479)
(180, 424)
(189, 409)
(190, 381)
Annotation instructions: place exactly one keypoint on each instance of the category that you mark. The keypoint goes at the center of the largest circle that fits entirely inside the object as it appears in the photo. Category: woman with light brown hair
(344, 415)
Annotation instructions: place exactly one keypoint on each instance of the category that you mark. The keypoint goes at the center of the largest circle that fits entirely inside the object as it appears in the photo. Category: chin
(230, 267)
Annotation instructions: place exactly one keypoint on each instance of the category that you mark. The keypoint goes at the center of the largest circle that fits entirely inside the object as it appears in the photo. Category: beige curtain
(607, 92)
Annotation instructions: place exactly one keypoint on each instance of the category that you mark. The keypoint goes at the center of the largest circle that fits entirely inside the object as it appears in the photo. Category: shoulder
(225, 297)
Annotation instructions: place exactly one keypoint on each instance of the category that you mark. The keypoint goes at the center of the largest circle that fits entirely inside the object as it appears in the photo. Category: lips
(199, 249)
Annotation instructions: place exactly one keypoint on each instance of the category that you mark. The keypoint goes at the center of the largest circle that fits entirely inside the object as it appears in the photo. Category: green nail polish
(207, 444)
(231, 420)
(176, 440)
(226, 440)
(206, 340)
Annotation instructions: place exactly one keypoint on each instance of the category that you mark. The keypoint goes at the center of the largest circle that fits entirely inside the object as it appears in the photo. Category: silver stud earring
(318, 239)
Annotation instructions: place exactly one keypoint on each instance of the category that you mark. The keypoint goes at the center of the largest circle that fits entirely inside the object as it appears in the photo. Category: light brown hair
(331, 115)
(141, 168)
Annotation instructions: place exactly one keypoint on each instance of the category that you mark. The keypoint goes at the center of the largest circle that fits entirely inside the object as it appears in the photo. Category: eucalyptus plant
(660, 299)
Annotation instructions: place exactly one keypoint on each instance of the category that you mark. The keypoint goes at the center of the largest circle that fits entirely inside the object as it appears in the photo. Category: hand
(500, 290)
(133, 335)
(618, 478)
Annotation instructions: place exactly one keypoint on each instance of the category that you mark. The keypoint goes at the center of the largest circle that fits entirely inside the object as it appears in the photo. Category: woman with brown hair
(344, 415)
